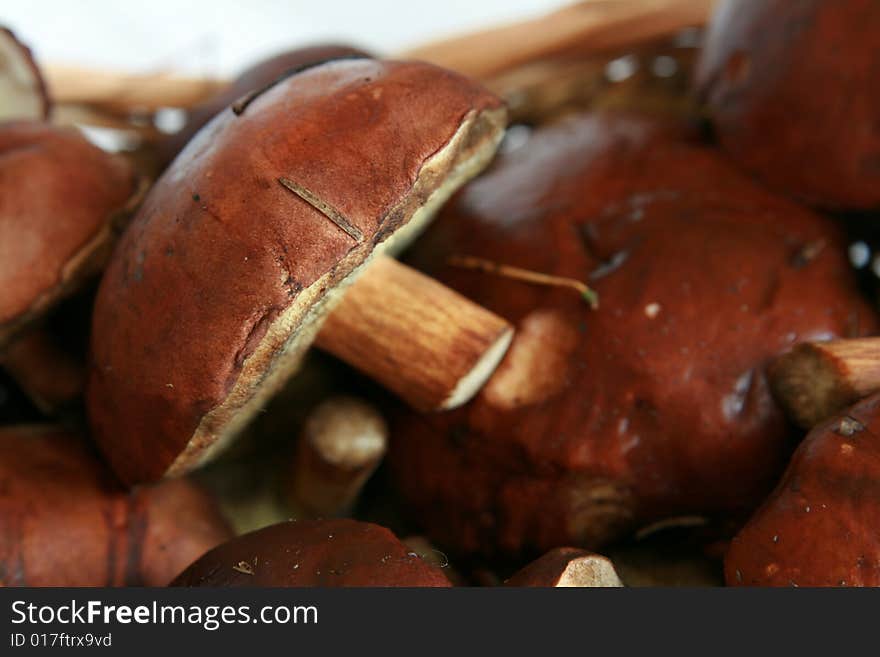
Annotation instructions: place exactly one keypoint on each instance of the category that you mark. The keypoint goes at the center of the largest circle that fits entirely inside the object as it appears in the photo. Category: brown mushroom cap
(66, 521)
(820, 526)
(59, 196)
(654, 405)
(313, 553)
(794, 93)
(23, 92)
(255, 77)
(223, 278)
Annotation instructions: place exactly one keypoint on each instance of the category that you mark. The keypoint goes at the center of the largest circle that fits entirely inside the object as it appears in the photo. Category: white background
(219, 37)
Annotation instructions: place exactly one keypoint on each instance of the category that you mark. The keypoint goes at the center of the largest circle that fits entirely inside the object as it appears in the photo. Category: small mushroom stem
(51, 377)
(426, 343)
(568, 567)
(342, 443)
(815, 380)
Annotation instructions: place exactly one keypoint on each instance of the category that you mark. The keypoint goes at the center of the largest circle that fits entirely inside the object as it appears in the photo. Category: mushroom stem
(426, 343)
(51, 377)
(567, 567)
(815, 380)
(342, 443)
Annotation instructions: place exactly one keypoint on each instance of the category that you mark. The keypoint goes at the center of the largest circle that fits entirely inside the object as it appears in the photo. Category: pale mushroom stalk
(341, 445)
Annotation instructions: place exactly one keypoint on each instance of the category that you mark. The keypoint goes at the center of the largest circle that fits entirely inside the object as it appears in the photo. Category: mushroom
(791, 88)
(819, 527)
(342, 443)
(45, 217)
(222, 280)
(654, 405)
(22, 88)
(256, 77)
(568, 567)
(324, 553)
(61, 206)
(66, 521)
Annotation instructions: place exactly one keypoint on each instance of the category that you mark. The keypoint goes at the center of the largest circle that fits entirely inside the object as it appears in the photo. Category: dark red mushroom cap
(793, 89)
(65, 520)
(313, 553)
(653, 405)
(821, 526)
(224, 276)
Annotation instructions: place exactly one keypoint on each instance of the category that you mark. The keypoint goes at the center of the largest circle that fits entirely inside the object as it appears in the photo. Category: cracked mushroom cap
(654, 405)
(22, 88)
(820, 526)
(221, 281)
(794, 93)
(60, 197)
(257, 76)
(66, 521)
(314, 553)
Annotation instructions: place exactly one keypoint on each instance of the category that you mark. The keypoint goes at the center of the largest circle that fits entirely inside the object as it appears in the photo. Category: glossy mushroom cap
(223, 278)
(793, 89)
(59, 198)
(66, 521)
(313, 553)
(655, 404)
(820, 526)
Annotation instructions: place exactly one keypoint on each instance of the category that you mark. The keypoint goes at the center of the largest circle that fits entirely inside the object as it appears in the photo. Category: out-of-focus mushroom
(655, 404)
(819, 527)
(342, 442)
(793, 89)
(62, 201)
(22, 89)
(568, 567)
(244, 245)
(66, 521)
(314, 553)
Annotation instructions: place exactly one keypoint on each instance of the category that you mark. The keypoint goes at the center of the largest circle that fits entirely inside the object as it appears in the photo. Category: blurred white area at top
(220, 37)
